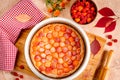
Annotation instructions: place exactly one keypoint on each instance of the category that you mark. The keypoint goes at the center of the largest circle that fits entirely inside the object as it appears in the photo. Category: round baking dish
(63, 21)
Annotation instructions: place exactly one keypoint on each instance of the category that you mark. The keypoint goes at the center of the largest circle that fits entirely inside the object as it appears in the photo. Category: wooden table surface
(113, 4)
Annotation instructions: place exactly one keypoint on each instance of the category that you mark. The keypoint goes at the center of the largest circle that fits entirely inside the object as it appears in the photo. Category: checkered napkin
(10, 29)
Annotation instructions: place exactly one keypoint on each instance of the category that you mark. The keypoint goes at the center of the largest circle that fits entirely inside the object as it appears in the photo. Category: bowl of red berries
(57, 48)
(83, 11)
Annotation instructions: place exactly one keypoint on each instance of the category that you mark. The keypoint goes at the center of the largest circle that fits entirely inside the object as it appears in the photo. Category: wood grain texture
(20, 60)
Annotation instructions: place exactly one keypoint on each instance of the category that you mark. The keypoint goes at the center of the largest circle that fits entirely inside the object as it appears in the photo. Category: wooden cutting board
(89, 72)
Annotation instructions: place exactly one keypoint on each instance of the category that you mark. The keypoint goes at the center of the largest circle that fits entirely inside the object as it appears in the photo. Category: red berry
(77, 39)
(66, 35)
(74, 53)
(21, 76)
(16, 78)
(36, 58)
(115, 40)
(65, 49)
(57, 39)
(42, 68)
(109, 43)
(14, 73)
(48, 69)
(68, 30)
(109, 36)
(22, 67)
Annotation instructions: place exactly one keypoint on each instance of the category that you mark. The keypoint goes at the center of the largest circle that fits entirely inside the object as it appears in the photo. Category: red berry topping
(37, 58)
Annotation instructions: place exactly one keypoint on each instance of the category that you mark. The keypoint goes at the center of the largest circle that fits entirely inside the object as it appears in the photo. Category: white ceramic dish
(58, 20)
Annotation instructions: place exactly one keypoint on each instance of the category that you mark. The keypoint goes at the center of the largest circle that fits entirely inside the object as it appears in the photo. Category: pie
(57, 50)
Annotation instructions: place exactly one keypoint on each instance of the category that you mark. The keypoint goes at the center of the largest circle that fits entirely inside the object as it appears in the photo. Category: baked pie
(57, 50)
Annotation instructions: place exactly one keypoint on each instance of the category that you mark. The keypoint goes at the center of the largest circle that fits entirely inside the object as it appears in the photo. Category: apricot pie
(57, 50)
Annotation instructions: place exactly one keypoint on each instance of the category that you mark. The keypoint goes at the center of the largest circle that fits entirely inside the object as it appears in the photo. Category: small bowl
(64, 21)
(83, 12)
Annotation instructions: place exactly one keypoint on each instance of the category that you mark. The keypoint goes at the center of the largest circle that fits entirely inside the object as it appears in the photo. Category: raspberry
(21, 76)
(16, 78)
(22, 67)
(115, 40)
(109, 43)
(37, 58)
(14, 73)
(109, 36)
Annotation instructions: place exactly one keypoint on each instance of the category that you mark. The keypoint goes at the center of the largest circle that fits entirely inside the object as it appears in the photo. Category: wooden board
(89, 72)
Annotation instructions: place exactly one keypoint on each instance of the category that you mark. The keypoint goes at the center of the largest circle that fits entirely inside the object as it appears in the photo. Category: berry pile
(83, 11)
(57, 49)
(110, 43)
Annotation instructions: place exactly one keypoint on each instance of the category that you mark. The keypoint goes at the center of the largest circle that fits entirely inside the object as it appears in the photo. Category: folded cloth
(7, 53)
(22, 16)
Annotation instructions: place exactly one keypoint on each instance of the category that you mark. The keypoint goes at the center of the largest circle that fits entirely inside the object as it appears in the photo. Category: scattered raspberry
(115, 40)
(16, 78)
(109, 36)
(14, 73)
(109, 43)
(22, 67)
(21, 76)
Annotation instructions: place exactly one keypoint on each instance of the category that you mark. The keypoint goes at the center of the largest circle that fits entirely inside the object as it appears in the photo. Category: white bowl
(58, 20)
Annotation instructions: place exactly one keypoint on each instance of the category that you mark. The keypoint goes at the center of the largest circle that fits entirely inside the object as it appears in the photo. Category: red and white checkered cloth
(10, 29)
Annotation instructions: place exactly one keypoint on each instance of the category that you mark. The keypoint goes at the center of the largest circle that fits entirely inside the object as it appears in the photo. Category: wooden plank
(20, 56)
